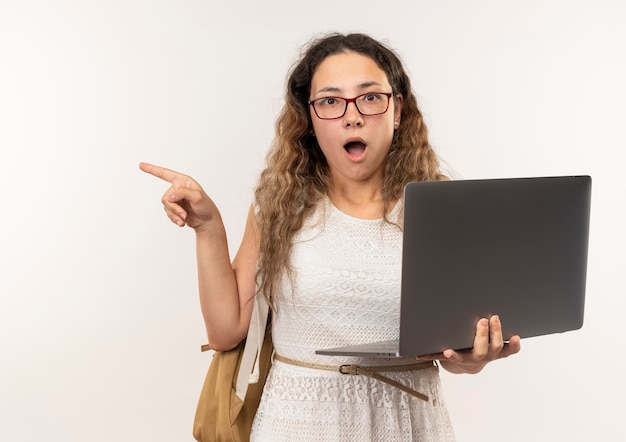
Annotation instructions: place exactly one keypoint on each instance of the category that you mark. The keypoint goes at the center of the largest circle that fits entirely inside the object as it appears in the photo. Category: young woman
(323, 245)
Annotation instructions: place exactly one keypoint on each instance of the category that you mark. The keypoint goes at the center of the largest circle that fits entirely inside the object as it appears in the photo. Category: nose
(352, 117)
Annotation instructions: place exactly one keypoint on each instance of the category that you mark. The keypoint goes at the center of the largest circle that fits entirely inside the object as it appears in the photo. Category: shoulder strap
(249, 366)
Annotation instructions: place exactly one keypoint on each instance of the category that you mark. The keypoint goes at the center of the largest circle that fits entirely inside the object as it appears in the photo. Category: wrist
(210, 229)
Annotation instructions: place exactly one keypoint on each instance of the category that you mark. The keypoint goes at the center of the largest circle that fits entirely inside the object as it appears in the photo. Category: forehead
(349, 71)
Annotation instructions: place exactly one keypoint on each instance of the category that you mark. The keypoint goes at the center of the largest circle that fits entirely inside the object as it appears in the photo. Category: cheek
(325, 148)
(317, 129)
(323, 134)
(385, 132)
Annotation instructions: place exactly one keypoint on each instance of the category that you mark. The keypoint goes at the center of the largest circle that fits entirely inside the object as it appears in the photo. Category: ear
(397, 108)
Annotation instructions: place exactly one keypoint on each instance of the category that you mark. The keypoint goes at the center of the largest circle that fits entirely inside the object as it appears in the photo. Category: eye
(328, 101)
(372, 97)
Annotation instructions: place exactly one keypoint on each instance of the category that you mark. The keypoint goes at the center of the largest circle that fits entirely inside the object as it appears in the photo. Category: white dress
(347, 291)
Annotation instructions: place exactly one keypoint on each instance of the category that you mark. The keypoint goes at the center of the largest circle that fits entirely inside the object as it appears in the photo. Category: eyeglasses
(371, 103)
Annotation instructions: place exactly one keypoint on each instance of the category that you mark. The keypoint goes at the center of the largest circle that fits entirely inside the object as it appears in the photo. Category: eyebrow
(335, 89)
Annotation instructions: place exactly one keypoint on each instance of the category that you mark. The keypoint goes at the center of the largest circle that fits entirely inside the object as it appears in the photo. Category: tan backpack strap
(249, 366)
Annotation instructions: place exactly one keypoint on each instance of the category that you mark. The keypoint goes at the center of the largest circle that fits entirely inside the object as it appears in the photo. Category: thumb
(451, 355)
(178, 194)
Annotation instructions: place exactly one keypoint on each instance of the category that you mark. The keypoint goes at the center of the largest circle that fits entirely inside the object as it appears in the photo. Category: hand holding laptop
(489, 345)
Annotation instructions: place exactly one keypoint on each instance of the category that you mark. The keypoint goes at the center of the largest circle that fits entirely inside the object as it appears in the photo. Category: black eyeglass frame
(352, 100)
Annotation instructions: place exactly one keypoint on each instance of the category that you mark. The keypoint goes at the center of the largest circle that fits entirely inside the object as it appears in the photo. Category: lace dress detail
(346, 291)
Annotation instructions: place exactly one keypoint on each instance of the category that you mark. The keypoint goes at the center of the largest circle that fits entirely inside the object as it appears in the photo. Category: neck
(362, 200)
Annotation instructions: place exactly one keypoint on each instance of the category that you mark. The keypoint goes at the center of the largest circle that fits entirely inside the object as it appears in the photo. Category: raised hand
(185, 202)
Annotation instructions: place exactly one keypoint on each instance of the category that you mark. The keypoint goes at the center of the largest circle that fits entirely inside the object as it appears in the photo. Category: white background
(100, 327)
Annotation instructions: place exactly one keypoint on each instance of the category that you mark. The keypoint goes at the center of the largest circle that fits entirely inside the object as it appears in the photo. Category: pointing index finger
(159, 172)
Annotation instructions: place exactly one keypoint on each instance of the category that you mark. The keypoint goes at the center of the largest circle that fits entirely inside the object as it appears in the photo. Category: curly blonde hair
(296, 176)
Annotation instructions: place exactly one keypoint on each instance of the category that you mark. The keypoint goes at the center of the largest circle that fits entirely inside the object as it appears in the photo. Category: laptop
(516, 247)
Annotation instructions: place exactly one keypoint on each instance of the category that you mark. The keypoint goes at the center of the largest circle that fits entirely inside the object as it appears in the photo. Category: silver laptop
(515, 247)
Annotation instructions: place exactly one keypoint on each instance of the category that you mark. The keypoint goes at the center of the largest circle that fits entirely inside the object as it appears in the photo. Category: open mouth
(354, 147)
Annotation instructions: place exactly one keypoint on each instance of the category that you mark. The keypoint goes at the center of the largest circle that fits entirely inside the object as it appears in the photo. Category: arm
(226, 290)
